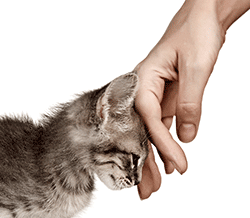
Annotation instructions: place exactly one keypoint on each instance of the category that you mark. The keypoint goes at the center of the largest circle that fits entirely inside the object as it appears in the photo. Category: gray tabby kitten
(47, 169)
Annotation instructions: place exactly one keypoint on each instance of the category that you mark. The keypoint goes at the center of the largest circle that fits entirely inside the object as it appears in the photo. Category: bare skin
(173, 78)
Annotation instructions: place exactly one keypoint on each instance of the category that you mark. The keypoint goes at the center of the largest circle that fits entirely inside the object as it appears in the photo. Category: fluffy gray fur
(47, 169)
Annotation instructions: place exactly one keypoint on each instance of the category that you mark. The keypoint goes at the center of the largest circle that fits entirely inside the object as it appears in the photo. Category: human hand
(172, 81)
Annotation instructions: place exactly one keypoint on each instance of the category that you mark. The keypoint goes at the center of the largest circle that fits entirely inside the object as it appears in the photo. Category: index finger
(149, 108)
(167, 146)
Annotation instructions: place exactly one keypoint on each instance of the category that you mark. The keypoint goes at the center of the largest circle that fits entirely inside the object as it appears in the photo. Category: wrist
(228, 11)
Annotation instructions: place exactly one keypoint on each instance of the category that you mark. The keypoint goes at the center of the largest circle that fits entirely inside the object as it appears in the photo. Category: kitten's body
(47, 169)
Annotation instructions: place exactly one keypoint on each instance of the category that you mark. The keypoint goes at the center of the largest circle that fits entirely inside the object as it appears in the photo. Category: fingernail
(187, 132)
(177, 168)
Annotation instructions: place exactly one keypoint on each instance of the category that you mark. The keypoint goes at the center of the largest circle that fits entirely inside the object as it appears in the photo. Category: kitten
(47, 169)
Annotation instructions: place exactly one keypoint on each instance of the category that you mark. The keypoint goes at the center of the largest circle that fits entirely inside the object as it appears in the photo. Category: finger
(169, 168)
(168, 103)
(192, 82)
(167, 121)
(167, 146)
(169, 99)
(154, 168)
(151, 178)
(160, 135)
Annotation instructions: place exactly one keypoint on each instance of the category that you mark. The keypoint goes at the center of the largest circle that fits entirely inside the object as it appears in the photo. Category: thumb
(192, 83)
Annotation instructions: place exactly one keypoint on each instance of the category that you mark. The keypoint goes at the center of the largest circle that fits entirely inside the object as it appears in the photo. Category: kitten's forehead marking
(128, 144)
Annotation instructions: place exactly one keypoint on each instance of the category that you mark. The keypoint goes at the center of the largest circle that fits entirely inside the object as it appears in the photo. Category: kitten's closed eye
(111, 162)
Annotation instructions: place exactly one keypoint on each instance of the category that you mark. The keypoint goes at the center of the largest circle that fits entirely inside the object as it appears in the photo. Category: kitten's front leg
(4, 213)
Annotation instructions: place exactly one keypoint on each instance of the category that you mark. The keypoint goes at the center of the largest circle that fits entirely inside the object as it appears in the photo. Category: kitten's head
(119, 157)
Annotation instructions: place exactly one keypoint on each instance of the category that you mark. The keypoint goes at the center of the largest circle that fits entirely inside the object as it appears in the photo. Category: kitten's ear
(119, 96)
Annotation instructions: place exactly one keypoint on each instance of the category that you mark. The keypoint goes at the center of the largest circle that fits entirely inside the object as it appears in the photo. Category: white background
(51, 50)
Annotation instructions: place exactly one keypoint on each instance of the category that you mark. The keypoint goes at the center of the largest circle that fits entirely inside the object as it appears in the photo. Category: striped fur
(47, 168)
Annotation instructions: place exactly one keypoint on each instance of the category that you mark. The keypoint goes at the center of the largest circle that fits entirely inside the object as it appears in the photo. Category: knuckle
(190, 109)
